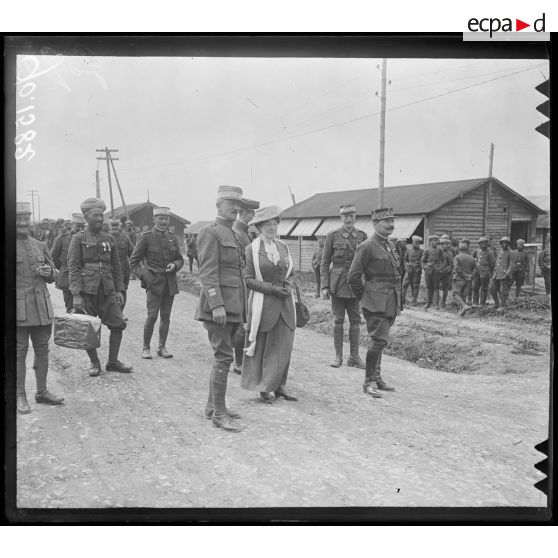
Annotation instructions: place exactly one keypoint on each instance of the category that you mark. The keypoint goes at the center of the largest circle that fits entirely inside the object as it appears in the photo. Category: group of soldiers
(364, 275)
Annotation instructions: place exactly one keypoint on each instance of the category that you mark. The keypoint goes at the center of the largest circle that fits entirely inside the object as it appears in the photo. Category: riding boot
(220, 417)
(95, 367)
(338, 344)
(404, 293)
(147, 334)
(484, 296)
(436, 299)
(444, 298)
(115, 339)
(354, 340)
(371, 374)
(415, 292)
(163, 333)
(40, 365)
(429, 296)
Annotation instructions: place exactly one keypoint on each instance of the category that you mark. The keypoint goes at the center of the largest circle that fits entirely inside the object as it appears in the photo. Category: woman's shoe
(266, 397)
(283, 392)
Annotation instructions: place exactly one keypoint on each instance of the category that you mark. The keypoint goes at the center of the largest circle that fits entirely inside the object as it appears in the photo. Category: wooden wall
(463, 217)
(302, 259)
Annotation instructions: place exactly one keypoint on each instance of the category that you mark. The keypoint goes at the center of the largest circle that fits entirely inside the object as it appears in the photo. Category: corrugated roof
(133, 207)
(405, 225)
(407, 200)
(197, 227)
(306, 227)
(285, 226)
(329, 225)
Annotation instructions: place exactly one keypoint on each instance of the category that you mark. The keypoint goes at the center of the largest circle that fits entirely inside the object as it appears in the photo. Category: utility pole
(487, 192)
(108, 158)
(97, 184)
(119, 189)
(382, 135)
(34, 193)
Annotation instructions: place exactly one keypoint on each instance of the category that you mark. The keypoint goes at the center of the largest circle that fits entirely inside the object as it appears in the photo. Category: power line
(334, 125)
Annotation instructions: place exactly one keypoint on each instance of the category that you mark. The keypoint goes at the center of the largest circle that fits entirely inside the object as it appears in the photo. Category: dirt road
(141, 439)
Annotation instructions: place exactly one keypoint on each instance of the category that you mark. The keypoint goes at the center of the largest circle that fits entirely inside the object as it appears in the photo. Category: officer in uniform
(160, 251)
(431, 263)
(501, 278)
(130, 232)
(96, 282)
(240, 228)
(125, 248)
(381, 293)
(59, 255)
(413, 269)
(520, 264)
(485, 262)
(446, 269)
(464, 266)
(222, 303)
(339, 250)
(34, 314)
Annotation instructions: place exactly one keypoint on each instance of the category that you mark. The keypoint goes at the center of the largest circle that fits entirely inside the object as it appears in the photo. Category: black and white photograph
(277, 278)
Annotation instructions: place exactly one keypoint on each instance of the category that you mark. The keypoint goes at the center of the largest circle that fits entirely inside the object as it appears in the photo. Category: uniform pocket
(21, 312)
(231, 298)
(50, 311)
(375, 299)
(339, 249)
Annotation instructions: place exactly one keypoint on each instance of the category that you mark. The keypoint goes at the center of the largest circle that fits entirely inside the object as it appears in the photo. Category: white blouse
(271, 251)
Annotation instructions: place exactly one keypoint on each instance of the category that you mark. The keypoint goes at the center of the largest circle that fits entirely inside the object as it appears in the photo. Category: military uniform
(431, 263)
(380, 296)
(316, 266)
(124, 247)
(222, 285)
(96, 275)
(413, 269)
(446, 270)
(157, 249)
(339, 250)
(34, 314)
(501, 278)
(520, 264)
(59, 255)
(464, 266)
(544, 265)
(192, 252)
(485, 264)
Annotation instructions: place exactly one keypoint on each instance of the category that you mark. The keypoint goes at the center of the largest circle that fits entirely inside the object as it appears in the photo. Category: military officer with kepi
(240, 228)
(339, 250)
(376, 259)
(96, 282)
(160, 251)
(34, 314)
(59, 255)
(222, 303)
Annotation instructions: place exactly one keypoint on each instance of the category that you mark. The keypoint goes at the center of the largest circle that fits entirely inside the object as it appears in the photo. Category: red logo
(519, 25)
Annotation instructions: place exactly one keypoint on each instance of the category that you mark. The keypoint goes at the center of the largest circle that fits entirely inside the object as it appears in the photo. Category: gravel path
(141, 439)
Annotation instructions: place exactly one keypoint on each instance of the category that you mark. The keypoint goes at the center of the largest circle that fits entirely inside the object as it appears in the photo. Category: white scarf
(257, 297)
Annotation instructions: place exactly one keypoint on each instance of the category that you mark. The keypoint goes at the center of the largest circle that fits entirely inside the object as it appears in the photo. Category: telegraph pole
(487, 192)
(382, 135)
(119, 189)
(34, 193)
(108, 152)
(97, 184)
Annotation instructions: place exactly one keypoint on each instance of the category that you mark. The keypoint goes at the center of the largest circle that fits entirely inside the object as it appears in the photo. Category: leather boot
(22, 404)
(444, 298)
(338, 345)
(415, 292)
(163, 334)
(95, 366)
(48, 398)
(354, 339)
(283, 392)
(429, 295)
(238, 351)
(383, 386)
(371, 375)
(484, 296)
(220, 417)
(436, 299)
(113, 364)
(147, 334)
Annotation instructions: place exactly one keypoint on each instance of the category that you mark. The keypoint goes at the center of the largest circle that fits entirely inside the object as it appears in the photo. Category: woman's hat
(265, 214)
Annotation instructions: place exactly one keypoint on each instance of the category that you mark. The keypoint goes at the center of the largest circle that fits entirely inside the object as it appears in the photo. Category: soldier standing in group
(130, 232)
(96, 282)
(125, 248)
(431, 263)
(484, 268)
(544, 265)
(34, 313)
(240, 229)
(463, 272)
(502, 274)
(401, 251)
(413, 269)
(520, 264)
(381, 293)
(339, 251)
(222, 302)
(160, 251)
(468, 251)
(446, 269)
(59, 255)
(317, 263)
(191, 251)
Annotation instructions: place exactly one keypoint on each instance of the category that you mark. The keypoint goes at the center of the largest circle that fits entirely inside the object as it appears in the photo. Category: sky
(183, 126)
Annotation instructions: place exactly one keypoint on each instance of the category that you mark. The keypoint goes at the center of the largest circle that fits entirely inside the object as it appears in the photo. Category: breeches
(221, 339)
(159, 304)
(378, 326)
(105, 307)
(412, 278)
(341, 305)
